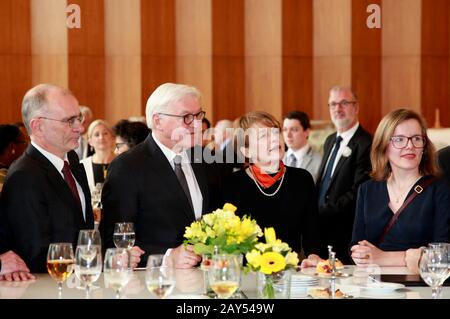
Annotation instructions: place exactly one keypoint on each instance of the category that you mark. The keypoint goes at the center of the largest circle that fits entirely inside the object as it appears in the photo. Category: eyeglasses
(119, 145)
(400, 141)
(343, 103)
(70, 121)
(188, 118)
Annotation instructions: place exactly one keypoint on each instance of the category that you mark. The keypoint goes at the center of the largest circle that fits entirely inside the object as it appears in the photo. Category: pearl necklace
(402, 193)
(260, 189)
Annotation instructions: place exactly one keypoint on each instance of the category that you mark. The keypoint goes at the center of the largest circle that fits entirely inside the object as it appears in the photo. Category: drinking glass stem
(118, 294)
(59, 290)
(435, 292)
(88, 291)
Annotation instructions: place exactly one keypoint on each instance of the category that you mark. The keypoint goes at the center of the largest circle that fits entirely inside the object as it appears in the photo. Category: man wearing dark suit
(155, 185)
(444, 162)
(345, 165)
(46, 197)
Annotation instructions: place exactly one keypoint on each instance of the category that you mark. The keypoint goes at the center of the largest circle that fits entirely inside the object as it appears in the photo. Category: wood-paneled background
(272, 55)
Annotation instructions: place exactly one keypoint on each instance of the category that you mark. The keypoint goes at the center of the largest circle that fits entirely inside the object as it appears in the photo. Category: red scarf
(264, 179)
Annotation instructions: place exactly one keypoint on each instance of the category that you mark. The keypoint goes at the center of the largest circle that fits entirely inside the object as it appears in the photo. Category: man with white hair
(155, 185)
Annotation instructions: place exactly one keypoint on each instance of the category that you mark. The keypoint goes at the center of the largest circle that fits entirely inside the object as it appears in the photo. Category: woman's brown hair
(381, 168)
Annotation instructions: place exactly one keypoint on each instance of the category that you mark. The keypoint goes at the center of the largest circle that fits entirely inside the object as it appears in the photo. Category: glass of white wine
(117, 269)
(60, 260)
(88, 265)
(224, 275)
(159, 278)
(124, 235)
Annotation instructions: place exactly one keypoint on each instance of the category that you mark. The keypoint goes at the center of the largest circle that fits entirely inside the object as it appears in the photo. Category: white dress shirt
(59, 164)
(346, 137)
(194, 189)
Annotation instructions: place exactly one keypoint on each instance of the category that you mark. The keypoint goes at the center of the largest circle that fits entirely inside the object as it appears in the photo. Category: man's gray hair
(35, 101)
(86, 111)
(165, 95)
(339, 88)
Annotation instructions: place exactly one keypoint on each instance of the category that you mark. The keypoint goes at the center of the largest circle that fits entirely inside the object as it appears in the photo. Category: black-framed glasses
(70, 121)
(343, 103)
(188, 118)
(400, 141)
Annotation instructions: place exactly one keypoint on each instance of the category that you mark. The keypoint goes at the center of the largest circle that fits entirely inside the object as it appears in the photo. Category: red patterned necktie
(71, 181)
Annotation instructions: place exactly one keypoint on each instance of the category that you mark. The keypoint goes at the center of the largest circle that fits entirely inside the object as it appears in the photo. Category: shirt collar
(300, 153)
(168, 153)
(347, 135)
(55, 160)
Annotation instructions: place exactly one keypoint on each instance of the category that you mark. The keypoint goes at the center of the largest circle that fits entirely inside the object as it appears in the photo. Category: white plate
(381, 288)
(389, 295)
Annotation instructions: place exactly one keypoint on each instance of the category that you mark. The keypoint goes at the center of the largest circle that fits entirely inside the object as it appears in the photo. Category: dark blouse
(292, 211)
(100, 171)
(426, 219)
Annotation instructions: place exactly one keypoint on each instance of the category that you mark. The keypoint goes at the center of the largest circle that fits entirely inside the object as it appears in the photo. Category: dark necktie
(292, 161)
(71, 181)
(327, 176)
(182, 178)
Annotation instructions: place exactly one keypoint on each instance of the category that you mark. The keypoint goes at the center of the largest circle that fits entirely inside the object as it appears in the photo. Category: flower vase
(274, 286)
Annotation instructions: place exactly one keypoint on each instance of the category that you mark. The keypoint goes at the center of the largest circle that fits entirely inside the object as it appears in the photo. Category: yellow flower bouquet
(271, 259)
(222, 228)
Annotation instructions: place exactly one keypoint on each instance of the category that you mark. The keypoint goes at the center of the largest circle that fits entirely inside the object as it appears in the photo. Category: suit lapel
(306, 159)
(166, 173)
(327, 150)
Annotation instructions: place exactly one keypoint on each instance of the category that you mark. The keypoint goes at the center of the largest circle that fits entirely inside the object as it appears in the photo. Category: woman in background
(129, 134)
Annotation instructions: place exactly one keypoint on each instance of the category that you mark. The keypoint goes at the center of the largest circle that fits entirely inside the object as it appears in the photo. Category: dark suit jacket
(39, 207)
(337, 214)
(444, 162)
(142, 188)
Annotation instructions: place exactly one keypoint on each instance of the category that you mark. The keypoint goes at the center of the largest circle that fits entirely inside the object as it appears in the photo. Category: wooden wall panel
(263, 56)
(122, 59)
(297, 56)
(49, 42)
(15, 57)
(332, 50)
(366, 65)
(194, 47)
(158, 55)
(87, 57)
(228, 60)
(435, 64)
(401, 75)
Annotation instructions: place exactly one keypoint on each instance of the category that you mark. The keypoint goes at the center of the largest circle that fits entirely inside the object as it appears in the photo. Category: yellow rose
(292, 259)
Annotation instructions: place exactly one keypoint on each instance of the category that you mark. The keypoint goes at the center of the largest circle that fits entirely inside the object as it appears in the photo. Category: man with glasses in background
(46, 196)
(157, 185)
(345, 165)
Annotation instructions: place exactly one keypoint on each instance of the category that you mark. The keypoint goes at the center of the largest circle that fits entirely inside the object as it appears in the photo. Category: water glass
(124, 235)
(433, 268)
(117, 269)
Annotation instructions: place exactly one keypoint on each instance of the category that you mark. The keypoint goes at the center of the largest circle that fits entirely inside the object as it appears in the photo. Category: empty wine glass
(433, 268)
(96, 201)
(224, 275)
(444, 246)
(89, 237)
(159, 278)
(117, 269)
(88, 265)
(124, 235)
(59, 263)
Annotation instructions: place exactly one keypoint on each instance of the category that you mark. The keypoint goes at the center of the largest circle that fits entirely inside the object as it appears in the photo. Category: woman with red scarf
(272, 193)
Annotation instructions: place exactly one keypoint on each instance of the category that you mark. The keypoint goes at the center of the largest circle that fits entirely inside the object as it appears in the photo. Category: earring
(13, 151)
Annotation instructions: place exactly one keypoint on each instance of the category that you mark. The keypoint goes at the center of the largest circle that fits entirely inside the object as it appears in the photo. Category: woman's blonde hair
(95, 123)
(381, 168)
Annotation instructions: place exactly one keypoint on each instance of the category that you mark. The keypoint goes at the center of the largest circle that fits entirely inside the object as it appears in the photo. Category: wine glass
(224, 275)
(124, 235)
(88, 265)
(59, 263)
(444, 246)
(433, 268)
(96, 201)
(117, 269)
(88, 257)
(159, 278)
